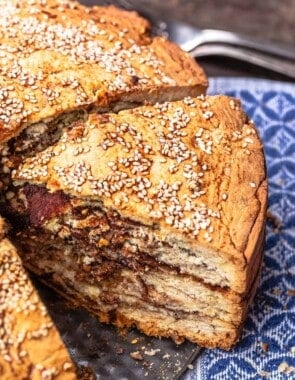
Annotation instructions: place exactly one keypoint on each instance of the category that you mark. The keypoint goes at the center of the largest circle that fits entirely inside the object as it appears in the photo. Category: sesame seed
(67, 366)
(232, 104)
(17, 295)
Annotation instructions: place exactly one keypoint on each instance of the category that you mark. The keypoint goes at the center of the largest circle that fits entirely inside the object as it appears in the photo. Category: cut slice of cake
(30, 346)
(151, 217)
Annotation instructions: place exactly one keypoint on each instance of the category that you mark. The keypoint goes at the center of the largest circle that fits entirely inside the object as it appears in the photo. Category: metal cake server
(211, 42)
(208, 42)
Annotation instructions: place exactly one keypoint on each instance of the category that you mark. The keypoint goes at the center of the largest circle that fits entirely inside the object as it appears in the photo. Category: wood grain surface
(272, 19)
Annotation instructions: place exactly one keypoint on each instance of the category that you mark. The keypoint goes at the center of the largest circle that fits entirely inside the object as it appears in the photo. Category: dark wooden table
(272, 19)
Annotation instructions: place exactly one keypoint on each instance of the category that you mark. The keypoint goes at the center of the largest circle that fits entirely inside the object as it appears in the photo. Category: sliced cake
(151, 217)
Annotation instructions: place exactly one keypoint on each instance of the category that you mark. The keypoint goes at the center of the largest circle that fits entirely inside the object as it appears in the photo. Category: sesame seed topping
(19, 301)
(67, 366)
(207, 115)
(117, 58)
(167, 140)
(157, 160)
(232, 104)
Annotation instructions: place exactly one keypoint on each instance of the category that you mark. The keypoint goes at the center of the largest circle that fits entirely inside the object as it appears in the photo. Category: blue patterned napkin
(267, 348)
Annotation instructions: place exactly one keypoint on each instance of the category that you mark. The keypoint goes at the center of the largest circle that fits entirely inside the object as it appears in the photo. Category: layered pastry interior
(152, 217)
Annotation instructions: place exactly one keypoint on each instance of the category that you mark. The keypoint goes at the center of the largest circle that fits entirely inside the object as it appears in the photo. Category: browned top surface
(57, 55)
(30, 346)
(192, 167)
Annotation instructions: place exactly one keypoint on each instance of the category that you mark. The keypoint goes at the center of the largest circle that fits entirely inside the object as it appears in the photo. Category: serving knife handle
(254, 57)
(236, 39)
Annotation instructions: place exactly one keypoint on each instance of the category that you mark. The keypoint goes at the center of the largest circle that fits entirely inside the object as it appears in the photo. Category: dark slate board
(107, 351)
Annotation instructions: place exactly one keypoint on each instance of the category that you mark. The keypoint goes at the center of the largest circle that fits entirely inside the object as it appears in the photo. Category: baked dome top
(58, 55)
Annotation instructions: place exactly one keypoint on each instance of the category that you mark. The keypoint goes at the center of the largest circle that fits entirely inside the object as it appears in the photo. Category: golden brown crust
(194, 168)
(30, 344)
(58, 55)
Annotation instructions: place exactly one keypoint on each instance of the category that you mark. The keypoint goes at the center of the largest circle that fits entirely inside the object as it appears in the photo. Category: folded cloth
(267, 347)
